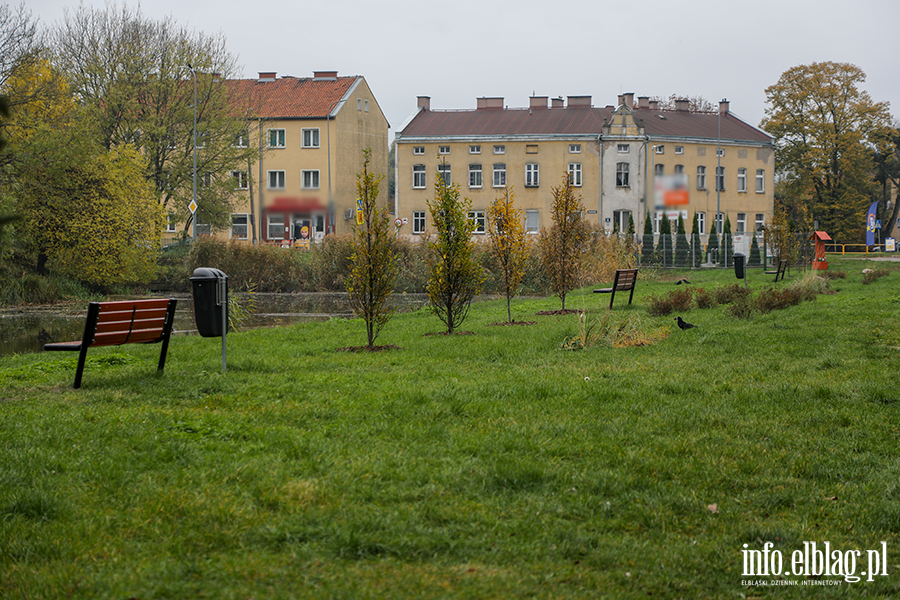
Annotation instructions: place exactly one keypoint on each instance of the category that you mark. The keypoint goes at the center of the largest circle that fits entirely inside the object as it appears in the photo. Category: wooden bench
(123, 322)
(779, 272)
(624, 282)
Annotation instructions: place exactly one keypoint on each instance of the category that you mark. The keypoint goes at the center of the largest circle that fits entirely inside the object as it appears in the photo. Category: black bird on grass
(680, 281)
(683, 324)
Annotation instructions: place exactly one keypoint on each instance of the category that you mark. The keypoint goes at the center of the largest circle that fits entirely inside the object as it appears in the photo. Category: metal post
(222, 297)
(194, 178)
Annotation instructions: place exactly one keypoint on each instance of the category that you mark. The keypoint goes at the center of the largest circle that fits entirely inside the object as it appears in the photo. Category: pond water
(27, 329)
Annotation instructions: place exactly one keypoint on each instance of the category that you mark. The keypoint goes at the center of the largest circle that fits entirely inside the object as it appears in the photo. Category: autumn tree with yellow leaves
(507, 234)
(562, 245)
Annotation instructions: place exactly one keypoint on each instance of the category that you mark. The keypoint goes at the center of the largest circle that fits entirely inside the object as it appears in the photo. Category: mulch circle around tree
(454, 333)
(369, 348)
(568, 311)
(508, 323)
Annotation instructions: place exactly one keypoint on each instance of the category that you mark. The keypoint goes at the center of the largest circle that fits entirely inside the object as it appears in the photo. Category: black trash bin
(210, 289)
(739, 265)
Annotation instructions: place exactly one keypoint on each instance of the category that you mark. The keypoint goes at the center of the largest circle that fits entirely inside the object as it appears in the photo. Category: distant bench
(624, 282)
(122, 322)
(779, 272)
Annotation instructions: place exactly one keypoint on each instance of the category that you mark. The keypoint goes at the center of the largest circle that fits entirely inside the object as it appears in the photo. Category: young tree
(629, 236)
(712, 245)
(563, 243)
(755, 258)
(823, 126)
(696, 245)
(375, 262)
(647, 256)
(508, 243)
(456, 276)
(682, 248)
(727, 244)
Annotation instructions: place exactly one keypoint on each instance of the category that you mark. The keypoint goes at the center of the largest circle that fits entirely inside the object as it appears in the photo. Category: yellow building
(611, 154)
(311, 133)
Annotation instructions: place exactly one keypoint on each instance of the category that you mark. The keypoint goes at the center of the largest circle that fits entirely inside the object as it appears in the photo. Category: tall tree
(664, 245)
(727, 244)
(137, 79)
(508, 243)
(824, 126)
(456, 276)
(696, 245)
(682, 248)
(563, 244)
(647, 256)
(374, 260)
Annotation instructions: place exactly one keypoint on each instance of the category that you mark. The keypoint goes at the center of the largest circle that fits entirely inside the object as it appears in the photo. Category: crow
(683, 324)
(680, 281)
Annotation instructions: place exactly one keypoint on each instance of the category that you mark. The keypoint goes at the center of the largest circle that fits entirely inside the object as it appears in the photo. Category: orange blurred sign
(672, 190)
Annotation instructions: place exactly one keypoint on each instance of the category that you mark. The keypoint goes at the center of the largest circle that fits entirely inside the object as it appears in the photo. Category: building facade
(311, 133)
(622, 159)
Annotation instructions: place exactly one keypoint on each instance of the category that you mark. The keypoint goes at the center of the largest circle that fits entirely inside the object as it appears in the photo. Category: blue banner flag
(870, 225)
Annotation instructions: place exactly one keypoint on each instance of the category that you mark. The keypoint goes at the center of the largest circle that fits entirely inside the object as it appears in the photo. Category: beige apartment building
(311, 133)
(623, 159)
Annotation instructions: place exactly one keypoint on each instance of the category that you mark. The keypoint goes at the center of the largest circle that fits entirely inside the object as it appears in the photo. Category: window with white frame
(499, 149)
(532, 221)
(418, 176)
(574, 148)
(574, 171)
(531, 175)
(240, 226)
(276, 138)
(419, 150)
(475, 149)
(720, 152)
(622, 174)
(741, 223)
(366, 105)
(620, 219)
(476, 217)
(443, 149)
(659, 170)
(679, 149)
(720, 179)
(170, 223)
(657, 222)
(678, 169)
(359, 104)
(701, 178)
(276, 180)
(240, 180)
(623, 148)
(310, 179)
(444, 172)
(701, 223)
(499, 175)
(660, 149)
(419, 221)
(475, 176)
(720, 219)
(760, 222)
(241, 141)
(760, 181)
(742, 180)
(311, 138)
(275, 227)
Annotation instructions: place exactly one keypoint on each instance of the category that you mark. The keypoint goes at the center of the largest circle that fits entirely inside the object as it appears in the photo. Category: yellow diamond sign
(193, 206)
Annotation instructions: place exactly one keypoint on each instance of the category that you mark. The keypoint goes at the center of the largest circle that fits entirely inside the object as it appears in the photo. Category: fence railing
(862, 248)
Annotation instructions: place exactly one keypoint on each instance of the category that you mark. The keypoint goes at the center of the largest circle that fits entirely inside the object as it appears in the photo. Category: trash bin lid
(206, 273)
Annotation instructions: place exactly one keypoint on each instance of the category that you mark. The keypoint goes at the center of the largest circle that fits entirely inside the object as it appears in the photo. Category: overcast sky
(458, 51)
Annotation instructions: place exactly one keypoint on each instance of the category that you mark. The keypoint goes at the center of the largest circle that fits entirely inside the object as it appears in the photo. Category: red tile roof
(697, 125)
(291, 97)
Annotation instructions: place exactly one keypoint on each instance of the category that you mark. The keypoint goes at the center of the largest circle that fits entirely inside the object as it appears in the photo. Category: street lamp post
(194, 178)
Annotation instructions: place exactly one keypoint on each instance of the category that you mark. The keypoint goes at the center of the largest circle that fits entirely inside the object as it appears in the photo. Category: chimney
(423, 102)
(537, 102)
(484, 103)
(267, 76)
(557, 102)
(643, 102)
(325, 75)
(579, 101)
(682, 104)
(723, 105)
(629, 99)
(620, 101)
(654, 104)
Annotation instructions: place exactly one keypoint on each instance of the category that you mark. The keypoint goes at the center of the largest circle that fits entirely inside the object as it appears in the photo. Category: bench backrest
(625, 279)
(130, 321)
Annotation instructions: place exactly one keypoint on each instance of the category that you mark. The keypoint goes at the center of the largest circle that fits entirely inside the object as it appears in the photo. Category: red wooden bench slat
(138, 324)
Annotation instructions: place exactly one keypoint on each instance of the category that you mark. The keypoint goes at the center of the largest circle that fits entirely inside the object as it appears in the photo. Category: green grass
(477, 466)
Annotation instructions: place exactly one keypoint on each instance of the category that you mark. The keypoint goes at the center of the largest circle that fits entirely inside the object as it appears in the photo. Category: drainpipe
(261, 142)
(600, 179)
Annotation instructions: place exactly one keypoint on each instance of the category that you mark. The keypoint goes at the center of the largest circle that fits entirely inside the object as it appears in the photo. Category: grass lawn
(493, 465)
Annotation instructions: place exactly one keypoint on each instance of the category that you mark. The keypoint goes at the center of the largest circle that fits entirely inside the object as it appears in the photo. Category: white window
(622, 174)
(276, 180)
(659, 170)
(170, 223)
(444, 171)
(760, 181)
(657, 222)
(701, 178)
(574, 171)
(310, 179)
(760, 221)
(720, 219)
(499, 149)
(240, 228)
(531, 175)
(679, 149)
(276, 138)
(276, 227)
(366, 105)
(720, 179)
(475, 149)
(678, 169)
(475, 176)
(741, 223)
(574, 148)
(660, 149)
(476, 217)
(240, 180)
(701, 222)
(623, 148)
(418, 176)
(311, 138)
(620, 219)
(742, 180)
(359, 104)
(241, 141)
(532, 222)
(499, 175)
(420, 150)
(419, 221)
(443, 149)
(720, 152)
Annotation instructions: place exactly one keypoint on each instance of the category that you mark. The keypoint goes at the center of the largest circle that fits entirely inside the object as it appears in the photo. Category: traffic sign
(193, 206)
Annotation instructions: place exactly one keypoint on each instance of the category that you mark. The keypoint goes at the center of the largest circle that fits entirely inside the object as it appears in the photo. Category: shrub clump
(770, 299)
(872, 275)
(730, 293)
(705, 298)
(666, 304)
